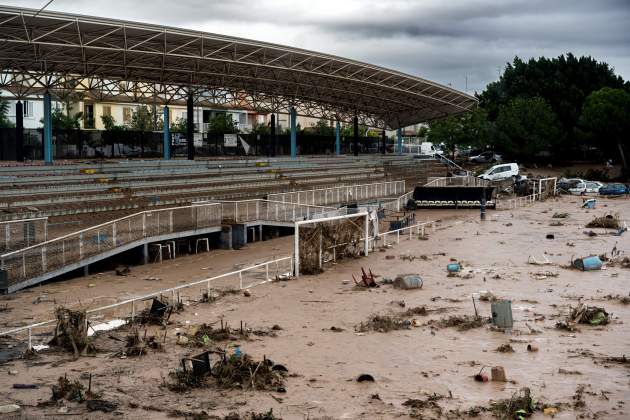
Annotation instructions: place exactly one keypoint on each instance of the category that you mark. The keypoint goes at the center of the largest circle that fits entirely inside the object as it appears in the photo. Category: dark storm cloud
(445, 41)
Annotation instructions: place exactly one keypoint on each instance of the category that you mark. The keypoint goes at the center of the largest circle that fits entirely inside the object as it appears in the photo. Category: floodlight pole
(190, 127)
(293, 133)
(48, 154)
(337, 139)
(296, 250)
(356, 135)
(167, 134)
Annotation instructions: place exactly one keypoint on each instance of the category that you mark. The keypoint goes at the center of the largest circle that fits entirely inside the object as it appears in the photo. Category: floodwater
(406, 364)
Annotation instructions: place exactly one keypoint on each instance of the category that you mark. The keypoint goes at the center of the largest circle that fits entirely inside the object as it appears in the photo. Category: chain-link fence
(17, 234)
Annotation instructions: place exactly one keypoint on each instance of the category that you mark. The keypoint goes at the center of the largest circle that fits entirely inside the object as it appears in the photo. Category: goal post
(316, 238)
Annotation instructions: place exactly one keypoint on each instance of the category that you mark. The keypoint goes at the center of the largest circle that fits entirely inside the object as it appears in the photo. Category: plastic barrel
(453, 268)
(588, 263)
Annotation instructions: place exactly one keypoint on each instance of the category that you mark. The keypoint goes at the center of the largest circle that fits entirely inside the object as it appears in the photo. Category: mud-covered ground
(572, 371)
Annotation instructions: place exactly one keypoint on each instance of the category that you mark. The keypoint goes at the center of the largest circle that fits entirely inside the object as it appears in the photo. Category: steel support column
(293, 134)
(19, 132)
(273, 134)
(399, 140)
(48, 153)
(383, 140)
(167, 134)
(190, 128)
(356, 135)
(337, 138)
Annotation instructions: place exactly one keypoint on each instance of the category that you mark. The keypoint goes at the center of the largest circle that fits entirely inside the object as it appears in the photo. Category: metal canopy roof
(114, 60)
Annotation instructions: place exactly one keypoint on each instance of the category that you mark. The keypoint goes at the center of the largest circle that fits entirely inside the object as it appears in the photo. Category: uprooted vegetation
(204, 334)
(461, 322)
(396, 321)
(608, 222)
(418, 406)
(232, 372)
(138, 345)
(519, 405)
(583, 314)
(71, 332)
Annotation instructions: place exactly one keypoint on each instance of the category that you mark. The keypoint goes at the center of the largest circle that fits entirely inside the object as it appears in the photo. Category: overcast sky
(442, 40)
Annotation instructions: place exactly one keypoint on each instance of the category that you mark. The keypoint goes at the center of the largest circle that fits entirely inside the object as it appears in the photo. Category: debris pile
(245, 373)
(135, 345)
(67, 390)
(608, 222)
(71, 332)
(158, 314)
(319, 242)
(591, 315)
(520, 405)
(383, 323)
(418, 405)
(367, 280)
(461, 322)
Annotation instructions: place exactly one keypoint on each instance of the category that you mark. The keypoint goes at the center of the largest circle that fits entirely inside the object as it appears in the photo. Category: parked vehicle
(565, 184)
(501, 172)
(586, 187)
(614, 189)
(486, 157)
(428, 148)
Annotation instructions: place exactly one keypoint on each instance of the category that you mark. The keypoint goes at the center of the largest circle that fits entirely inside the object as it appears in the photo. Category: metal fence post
(114, 234)
(81, 245)
(366, 240)
(240, 279)
(144, 224)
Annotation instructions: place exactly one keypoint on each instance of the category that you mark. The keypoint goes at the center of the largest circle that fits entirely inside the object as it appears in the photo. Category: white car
(583, 187)
(500, 172)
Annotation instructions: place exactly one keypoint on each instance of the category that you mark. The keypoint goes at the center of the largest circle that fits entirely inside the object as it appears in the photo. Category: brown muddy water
(570, 371)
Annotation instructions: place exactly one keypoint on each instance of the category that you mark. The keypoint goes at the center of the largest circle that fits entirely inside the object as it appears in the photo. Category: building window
(127, 112)
(27, 109)
(107, 111)
(88, 115)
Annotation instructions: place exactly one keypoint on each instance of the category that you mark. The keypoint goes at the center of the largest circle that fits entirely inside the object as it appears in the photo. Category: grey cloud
(441, 40)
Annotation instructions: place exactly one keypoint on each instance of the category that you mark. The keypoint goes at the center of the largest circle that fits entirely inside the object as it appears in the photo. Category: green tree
(179, 126)
(4, 112)
(423, 131)
(142, 119)
(448, 131)
(606, 114)
(109, 123)
(323, 128)
(65, 121)
(526, 126)
(222, 123)
(563, 82)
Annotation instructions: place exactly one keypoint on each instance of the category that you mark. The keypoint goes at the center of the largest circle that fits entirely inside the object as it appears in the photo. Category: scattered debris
(590, 315)
(486, 296)
(365, 377)
(550, 236)
(366, 280)
(69, 391)
(590, 233)
(453, 267)
(624, 300)
(101, 405)
(608, 222)
(498, 374)
(408, 281)
(505, 348)
(158, 314)
(71, 332)
(520, 405)
(383, 323)
(560, 215)
(590, 263)
(461, 322)
(9, 408)
(532, 348)
(569, 372)
(535, 261)
(123, 270)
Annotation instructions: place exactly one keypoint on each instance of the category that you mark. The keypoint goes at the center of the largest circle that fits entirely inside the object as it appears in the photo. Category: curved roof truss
(115, 60)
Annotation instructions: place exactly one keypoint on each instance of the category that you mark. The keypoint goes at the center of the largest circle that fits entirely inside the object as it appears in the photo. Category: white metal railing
(267, 210)
(16, 234)
(542, 190)
(56, 253)
(234, 278)
(342, 194)
(457, 181)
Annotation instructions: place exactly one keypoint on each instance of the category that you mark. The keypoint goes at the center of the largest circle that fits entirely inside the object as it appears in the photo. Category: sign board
(230, 140)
